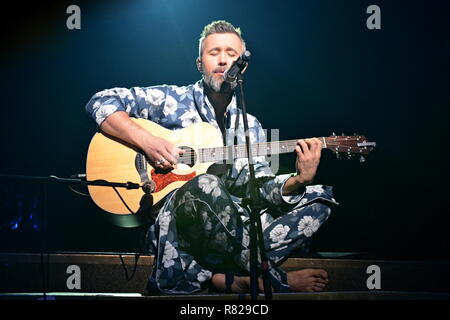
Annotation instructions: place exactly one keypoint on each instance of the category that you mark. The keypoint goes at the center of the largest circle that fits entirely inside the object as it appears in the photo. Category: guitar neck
(227, 153)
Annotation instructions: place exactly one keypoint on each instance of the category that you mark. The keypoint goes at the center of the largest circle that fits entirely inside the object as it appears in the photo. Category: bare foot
(306, 280)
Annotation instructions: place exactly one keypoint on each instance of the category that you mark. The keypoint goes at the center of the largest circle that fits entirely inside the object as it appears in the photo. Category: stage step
(85, 274)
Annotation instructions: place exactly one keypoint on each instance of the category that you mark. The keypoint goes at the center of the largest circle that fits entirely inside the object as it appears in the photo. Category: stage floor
(111, 276)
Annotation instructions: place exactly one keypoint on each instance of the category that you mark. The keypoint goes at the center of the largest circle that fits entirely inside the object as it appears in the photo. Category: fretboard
(228, 153)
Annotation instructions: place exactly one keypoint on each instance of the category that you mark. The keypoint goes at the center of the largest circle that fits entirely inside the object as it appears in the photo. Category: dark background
(316, 68)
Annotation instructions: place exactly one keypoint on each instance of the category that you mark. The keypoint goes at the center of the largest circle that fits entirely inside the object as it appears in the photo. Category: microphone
(237, 66)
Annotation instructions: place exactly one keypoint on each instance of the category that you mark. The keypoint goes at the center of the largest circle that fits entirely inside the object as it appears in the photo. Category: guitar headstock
(350, 145)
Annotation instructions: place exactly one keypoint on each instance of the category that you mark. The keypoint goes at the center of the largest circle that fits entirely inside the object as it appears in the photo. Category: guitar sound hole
(189, 156)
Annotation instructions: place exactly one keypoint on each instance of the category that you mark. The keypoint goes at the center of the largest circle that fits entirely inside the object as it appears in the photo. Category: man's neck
(219, 100)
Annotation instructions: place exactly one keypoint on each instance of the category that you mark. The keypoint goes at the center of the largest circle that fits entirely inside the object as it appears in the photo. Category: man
(200, 235)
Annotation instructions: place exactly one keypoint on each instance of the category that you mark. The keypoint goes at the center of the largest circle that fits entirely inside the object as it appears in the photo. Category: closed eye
(231, 52)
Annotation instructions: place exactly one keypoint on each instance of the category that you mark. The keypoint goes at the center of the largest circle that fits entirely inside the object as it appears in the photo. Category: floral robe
(202, 227)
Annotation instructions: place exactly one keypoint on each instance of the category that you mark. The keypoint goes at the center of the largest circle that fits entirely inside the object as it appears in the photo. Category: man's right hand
(156, 149)
(161, 153)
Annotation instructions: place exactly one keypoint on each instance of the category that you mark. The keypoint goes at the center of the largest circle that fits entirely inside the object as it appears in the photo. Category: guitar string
(218, 153)
(288, 143)
(212, 153)
(256, 147)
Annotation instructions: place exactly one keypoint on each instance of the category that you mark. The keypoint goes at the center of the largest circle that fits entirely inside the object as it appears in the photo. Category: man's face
(219, 52)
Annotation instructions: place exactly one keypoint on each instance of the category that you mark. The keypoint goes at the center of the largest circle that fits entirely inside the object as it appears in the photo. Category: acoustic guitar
(110, 159)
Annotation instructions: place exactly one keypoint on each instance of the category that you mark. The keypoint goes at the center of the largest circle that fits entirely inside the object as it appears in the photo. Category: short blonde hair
(219, 26)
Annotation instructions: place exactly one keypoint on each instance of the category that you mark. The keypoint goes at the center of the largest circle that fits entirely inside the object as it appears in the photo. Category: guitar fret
(240, 151)
(226, 153)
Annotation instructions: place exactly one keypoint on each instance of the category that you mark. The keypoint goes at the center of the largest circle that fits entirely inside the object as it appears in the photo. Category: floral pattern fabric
(202, 227)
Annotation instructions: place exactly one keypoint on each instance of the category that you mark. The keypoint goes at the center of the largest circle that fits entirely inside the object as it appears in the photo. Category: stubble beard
(217, 84)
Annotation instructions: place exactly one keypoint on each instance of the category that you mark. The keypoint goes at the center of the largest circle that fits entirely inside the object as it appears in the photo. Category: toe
(317, 289)
(319, 285)
(321, 274)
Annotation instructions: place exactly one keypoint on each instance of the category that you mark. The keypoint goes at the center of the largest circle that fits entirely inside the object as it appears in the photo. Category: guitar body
(113, 160)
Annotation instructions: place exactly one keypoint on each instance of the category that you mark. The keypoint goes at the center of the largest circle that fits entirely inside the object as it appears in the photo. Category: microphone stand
(45, 180)
(127, 185)
(256, 233)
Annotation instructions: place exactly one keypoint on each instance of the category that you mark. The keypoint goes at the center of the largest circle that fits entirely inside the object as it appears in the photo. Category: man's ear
(199, 65)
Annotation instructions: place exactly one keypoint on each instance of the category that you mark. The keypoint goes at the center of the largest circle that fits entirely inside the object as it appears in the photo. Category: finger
(319, 144)
(172, 151)
(166, 165)
(312, 144)
(305, 147)
(169, 158)
(301, 145)
(300, 155)
(319, 152)
(176, 152)
(157, 163)
(311, 147)
(299, 152)
(160, 161)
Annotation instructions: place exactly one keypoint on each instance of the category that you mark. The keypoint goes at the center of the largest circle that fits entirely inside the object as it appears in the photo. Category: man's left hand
(308, 158)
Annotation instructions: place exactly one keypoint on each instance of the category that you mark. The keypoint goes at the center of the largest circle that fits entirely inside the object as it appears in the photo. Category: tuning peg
(333, 134)
(349, 156)
(362, 159)
(338, 156)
